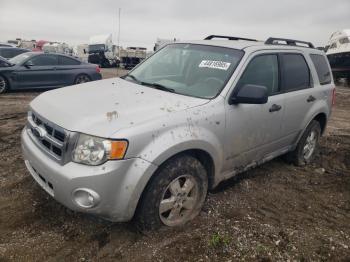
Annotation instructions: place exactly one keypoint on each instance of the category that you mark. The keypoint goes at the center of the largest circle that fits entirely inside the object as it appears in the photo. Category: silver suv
(151, 144)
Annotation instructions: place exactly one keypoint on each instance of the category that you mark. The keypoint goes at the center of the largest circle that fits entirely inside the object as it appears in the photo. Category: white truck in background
(131, 56)
(102, 51)
(162, 42)
(81, 51)
(21, 43)
(55, 47)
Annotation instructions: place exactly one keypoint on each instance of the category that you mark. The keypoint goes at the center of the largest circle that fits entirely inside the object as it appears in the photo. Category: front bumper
(118, 183)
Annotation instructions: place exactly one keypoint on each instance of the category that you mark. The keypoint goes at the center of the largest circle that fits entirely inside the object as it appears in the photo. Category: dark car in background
(9, 52)
(45, 70)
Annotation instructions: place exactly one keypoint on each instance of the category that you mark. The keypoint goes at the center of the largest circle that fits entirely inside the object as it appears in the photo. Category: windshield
(188, 69)
(19, 59)
(96, 48)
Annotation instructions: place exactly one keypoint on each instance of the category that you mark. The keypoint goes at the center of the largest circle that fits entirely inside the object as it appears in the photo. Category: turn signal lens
(118, 149)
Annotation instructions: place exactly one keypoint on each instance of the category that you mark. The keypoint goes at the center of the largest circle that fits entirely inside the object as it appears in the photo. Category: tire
(4, 85)
(82, 78)
(307, 145)
(174, 195)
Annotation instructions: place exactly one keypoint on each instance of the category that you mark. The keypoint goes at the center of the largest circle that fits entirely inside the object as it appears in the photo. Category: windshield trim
(189, 43)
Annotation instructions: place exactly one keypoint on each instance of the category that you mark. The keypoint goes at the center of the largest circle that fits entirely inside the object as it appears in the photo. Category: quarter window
(62, 60)
(295, 72)
(262, 70)
(322, 69)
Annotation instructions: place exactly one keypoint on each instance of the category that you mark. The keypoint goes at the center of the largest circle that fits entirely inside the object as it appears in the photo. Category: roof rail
(210, 37)
(274, 41)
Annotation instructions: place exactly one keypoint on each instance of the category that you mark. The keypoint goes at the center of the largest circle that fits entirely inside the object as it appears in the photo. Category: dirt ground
(276, 212)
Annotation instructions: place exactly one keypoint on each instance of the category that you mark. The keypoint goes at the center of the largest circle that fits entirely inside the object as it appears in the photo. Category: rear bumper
(96, 76)
(119, 184)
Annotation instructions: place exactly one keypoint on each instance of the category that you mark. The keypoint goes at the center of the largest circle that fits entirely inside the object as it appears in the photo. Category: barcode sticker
(215, 64)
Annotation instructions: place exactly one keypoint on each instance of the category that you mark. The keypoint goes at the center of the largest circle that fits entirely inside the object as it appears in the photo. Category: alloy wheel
(3, 84)
(179, 200)
(310, 145)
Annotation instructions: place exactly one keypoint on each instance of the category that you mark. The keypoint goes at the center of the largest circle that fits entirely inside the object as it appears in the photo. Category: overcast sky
(143, 21)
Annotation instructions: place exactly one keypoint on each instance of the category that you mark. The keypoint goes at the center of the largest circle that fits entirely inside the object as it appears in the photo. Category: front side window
(44, 60)
(322, 69)
(262, 70)
(295, 72)
(188, 69)
(20, 58)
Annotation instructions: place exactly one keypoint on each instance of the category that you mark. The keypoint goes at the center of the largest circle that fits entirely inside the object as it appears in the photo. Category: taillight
(333, 97)
(98, 70)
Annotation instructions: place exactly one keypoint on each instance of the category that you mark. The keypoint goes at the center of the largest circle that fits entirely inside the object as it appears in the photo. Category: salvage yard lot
(273, 212)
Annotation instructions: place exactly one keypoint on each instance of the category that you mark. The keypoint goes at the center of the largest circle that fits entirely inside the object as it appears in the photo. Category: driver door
(253, 131)
(40, 72)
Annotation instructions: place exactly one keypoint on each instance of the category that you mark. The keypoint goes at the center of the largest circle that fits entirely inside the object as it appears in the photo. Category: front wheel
(3, 85)
(307, 145)
(174, 195)
(80, 79)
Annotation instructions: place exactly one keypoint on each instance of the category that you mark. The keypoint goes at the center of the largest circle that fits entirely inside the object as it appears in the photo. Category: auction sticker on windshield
(215, 64)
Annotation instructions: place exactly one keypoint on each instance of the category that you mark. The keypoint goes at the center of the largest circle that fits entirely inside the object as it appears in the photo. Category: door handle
(310, 99)
(274, 108)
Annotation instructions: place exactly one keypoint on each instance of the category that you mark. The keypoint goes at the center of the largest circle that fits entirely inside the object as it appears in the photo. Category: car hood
(103, 107)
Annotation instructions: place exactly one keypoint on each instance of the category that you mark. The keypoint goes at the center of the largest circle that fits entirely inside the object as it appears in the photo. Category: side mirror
(250, 94)
(28, 64)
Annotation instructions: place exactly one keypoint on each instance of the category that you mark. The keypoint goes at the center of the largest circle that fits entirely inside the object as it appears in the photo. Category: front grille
(51, 138)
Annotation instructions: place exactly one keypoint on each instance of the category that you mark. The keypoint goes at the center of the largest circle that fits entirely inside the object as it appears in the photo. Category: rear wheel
(82, 79)
(175, 194)
(307, 145)
(4, 86)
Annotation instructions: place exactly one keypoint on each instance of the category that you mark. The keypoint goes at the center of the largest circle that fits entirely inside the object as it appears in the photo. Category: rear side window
(262, 70)
(322, 69)
(63, 60)
(44, 60)
(295, 72)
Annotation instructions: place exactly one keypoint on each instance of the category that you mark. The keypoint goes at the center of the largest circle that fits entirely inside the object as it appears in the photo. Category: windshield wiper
(133, 78)
(159, 87)
(154, 85)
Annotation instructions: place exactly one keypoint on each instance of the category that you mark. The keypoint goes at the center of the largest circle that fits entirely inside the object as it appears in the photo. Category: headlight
(91, 150)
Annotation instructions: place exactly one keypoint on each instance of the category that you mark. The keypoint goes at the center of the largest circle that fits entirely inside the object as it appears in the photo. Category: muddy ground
(276, 212)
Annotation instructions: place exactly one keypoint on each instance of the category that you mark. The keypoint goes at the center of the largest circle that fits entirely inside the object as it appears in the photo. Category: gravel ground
(276, 212)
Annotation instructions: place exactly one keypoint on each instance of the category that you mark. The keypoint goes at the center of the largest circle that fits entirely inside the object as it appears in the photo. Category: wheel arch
(7, 79)
(201, 155)
(321, 118)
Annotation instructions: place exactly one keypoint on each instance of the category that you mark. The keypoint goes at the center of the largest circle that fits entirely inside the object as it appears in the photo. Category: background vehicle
(204, 112)
(102, 51)
(338, 54)
(39, 45)
(44, 70)
(22, 43)
(9, 52)
(162, 42)
(132, 56)
(59, 48)
(82, 51)
(6, 45)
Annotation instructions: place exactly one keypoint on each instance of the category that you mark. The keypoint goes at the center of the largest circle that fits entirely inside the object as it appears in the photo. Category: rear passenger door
(297, 86)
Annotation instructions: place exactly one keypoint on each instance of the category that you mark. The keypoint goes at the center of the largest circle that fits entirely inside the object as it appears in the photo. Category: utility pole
(119, 32)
